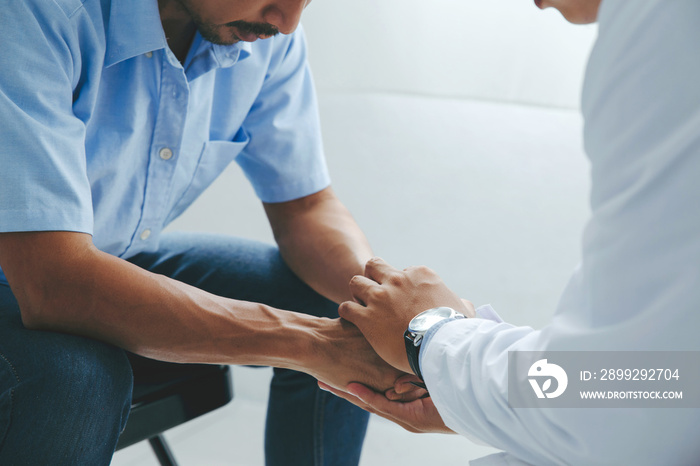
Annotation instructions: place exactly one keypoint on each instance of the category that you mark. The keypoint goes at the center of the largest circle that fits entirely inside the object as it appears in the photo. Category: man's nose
(285, 14)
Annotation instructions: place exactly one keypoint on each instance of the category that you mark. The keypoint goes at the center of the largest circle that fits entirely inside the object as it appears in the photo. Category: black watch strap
(412, 353)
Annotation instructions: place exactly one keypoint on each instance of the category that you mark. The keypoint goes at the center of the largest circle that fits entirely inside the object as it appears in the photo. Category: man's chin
(218, 35)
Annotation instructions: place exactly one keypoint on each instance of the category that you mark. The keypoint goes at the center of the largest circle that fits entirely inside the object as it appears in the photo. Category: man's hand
(386, 301)
(418, 416)
(343, 355)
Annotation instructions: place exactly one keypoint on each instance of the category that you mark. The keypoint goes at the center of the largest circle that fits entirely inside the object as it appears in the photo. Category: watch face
(423, 321)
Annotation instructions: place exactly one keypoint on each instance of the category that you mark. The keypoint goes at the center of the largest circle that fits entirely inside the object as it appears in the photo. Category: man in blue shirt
(116, 116)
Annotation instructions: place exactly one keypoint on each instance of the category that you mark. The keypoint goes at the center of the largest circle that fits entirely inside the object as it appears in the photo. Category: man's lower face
(230, 33)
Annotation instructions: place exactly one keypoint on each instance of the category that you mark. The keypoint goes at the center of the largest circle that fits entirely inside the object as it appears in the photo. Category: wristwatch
(419, 326)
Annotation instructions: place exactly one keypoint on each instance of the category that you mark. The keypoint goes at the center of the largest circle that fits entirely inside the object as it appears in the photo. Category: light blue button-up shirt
(105, 132)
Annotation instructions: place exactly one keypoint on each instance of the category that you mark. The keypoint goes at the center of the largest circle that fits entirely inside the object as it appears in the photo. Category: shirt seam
(70, 14)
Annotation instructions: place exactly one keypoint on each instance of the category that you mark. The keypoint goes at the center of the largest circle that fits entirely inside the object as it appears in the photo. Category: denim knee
(68, 403)
(94, 374)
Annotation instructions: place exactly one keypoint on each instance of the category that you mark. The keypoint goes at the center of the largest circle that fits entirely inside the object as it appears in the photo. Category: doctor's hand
(386, 301)
(418, 416)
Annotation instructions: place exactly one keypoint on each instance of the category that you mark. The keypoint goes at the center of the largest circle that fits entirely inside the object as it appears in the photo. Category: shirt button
(165, 153)
(149, 54)
(145, 234)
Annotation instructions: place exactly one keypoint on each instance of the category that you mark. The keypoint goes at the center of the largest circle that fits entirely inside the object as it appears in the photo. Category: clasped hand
(386, 299)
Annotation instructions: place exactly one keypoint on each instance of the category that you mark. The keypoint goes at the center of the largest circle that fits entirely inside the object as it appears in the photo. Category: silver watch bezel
(418, 326)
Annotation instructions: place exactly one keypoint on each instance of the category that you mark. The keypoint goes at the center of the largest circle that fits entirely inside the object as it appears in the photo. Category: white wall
(501, 50)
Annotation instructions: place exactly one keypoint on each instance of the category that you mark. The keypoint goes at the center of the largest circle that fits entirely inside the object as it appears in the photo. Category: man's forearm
(326, 257)
(104, 297)
(321, 242)
(63, 283)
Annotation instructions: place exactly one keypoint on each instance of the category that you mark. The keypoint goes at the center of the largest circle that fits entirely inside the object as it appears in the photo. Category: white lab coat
(638, 284)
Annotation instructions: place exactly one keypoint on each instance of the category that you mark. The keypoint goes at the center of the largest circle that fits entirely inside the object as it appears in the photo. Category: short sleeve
(43, 179)
(284, 159)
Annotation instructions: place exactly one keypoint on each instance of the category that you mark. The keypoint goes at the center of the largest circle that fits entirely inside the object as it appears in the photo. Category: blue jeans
(64, 399)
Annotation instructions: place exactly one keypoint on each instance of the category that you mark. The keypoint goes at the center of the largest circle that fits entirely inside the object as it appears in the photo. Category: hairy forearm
(331, 252)
(103, 297)
(322, 244)
(63, 283)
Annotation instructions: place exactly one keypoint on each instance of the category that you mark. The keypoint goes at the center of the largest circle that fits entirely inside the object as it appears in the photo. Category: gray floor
(491, 196)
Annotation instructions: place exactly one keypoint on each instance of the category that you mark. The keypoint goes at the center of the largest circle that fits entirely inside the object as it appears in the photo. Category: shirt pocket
(213, 160)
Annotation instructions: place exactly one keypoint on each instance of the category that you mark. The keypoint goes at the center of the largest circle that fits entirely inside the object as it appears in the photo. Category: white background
(497, 50)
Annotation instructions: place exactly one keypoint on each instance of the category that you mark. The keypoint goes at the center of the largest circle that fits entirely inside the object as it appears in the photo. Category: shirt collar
(205, 56)
(134, 28)
(228, 55)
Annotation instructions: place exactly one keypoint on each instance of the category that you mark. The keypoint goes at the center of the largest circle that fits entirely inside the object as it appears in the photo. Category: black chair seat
(166, 395)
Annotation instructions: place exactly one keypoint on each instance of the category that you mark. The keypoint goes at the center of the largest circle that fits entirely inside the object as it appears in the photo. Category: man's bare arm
(64, 283)
(320, 241)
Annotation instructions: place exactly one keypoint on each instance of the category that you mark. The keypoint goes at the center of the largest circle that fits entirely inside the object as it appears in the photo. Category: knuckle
(380, 293)
(396, 279)
(424, 270)
(372, 263)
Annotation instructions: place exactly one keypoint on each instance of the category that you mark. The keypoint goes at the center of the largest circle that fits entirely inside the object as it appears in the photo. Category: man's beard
(212, 32)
